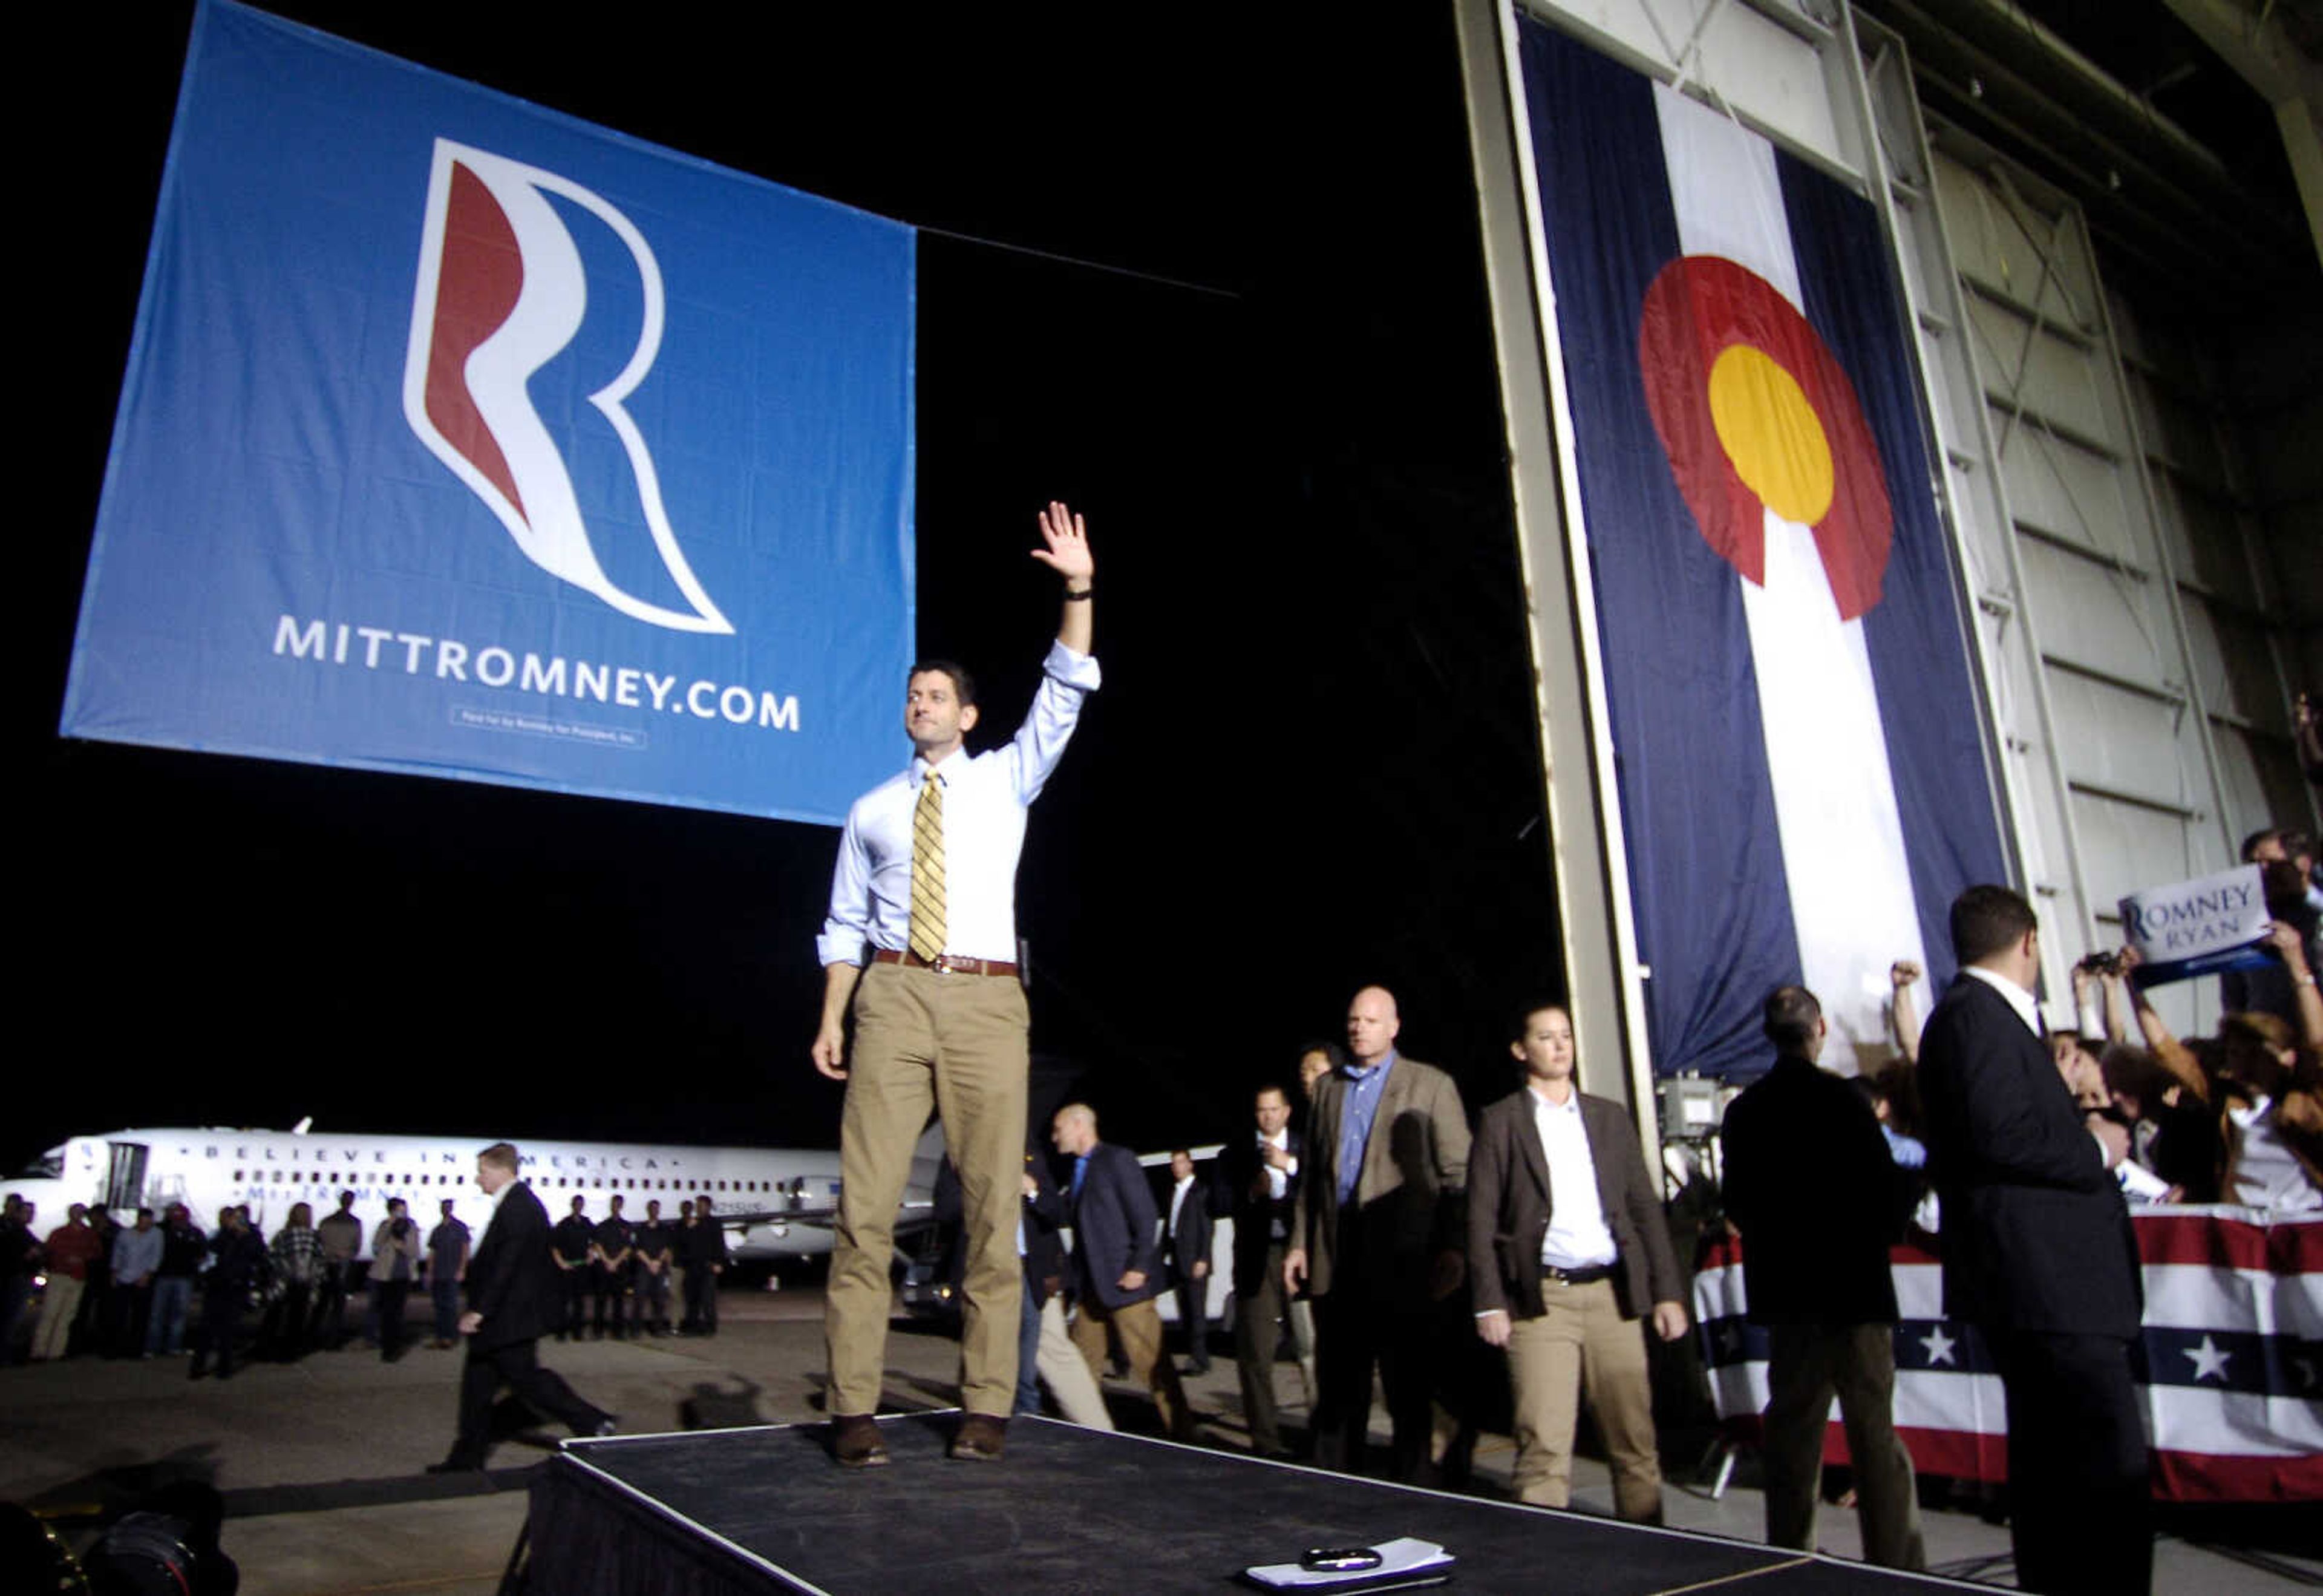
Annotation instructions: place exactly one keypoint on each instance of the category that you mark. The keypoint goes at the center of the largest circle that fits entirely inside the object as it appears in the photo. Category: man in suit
(1567, 1234)
(1819, 1201)
(1186, 1250)
(2039, 1253)
(1117, 1261)
(514, 1298)
(1376, 1234)
(1263, 1175)
(1043, 1351)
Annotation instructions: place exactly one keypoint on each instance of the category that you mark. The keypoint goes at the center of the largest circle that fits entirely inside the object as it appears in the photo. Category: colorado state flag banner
(1797, 731)
(462, 438)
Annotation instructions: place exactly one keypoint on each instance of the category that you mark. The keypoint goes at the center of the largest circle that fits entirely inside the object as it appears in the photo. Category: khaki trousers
(954, 1045)
(1808, 1366)
(1139, 1326)
(59, 1303)
(1582, 1346)
(1066, 1372)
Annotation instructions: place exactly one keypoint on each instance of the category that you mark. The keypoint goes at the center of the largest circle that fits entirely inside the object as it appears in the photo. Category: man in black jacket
(237, 1258)
(702, 1240)
(1810, 1185)
(1262, 1177)
(2039, 1253)
(1117, 1262)
(513, 1301)
(1186, 1251)
(576, 1272)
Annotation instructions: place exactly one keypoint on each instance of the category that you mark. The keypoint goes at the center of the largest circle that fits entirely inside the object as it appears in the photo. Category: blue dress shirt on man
(1360, 1108)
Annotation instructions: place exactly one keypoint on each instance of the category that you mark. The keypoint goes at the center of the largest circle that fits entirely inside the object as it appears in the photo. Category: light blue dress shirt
(985, 797)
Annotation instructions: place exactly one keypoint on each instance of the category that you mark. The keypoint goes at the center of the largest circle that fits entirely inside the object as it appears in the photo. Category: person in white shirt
(1262, 1177)
(1186, 1236)
(920, 947)
(1567, 1249)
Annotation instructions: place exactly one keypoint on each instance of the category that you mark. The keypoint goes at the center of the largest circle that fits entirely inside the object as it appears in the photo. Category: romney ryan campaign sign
(462, 438)
(2198, 927)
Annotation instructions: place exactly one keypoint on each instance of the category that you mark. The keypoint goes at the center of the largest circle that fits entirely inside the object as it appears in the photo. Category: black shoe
(452, 1465)
(198, 1369)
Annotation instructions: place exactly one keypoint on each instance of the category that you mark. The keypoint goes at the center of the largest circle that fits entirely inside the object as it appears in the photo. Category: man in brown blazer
(1376, 1234)
(1569, 1247)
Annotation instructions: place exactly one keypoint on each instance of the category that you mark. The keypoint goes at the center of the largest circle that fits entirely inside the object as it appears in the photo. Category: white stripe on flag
(1919, 1290)
(2241, 1423)
(1843, 857)
(1971, 1404)
(2199, 1296)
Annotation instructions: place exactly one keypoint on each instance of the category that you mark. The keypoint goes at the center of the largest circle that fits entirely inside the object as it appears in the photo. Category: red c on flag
(1755, 413)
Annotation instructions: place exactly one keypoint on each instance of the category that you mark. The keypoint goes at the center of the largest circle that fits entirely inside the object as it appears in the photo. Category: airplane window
(48, 1166)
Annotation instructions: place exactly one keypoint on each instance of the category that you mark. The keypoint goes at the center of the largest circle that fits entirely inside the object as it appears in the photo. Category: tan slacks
(953, 1044)
(59, 1303)
(1139, 1326)
(1855, 1362)
(1582, 1346)
(1066, 1372)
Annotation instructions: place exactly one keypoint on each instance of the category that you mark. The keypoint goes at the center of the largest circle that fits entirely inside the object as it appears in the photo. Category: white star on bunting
(2208, 1360)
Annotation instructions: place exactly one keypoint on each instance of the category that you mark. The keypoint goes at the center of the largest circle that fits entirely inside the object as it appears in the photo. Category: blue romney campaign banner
(462, 438)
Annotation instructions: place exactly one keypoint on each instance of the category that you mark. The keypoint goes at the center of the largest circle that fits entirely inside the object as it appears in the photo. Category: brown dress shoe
(980, 1438)
(855, 1442)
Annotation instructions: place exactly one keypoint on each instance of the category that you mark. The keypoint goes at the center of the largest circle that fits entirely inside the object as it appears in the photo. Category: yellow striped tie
(928, 870)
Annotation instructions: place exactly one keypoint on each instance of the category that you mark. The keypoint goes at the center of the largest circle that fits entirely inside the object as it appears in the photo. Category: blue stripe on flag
(1714, 920)
(1706, 877)
(1931, 710)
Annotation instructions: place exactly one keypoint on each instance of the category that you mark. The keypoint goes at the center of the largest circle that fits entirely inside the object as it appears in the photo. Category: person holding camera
(394, 1264)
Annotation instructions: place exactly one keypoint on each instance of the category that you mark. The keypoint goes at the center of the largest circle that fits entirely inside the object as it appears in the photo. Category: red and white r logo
(502, 293)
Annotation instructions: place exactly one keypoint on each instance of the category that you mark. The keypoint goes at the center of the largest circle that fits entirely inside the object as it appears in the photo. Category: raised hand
(1068, 551)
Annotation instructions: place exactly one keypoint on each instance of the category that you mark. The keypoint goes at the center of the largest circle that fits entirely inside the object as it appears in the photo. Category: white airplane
(776, 1202)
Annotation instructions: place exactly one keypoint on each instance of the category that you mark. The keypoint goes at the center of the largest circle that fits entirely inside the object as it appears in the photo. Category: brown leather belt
(1577, 1277)
(943, 964)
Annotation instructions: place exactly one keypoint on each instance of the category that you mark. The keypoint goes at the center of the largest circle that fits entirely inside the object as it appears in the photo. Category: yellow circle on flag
(1771, 433)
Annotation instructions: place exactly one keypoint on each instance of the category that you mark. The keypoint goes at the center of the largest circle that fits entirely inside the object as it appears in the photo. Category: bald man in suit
(1376, 1233)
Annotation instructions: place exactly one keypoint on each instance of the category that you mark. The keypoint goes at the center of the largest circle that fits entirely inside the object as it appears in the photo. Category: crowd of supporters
(162, 1286)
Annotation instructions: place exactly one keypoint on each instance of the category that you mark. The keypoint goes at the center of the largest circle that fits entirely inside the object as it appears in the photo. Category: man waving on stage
(922, 942)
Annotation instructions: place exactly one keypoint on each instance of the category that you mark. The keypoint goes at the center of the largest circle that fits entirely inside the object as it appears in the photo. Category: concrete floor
(322, 1462)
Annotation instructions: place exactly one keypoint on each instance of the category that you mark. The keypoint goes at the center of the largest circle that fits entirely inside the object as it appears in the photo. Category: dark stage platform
(1068, 1509)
